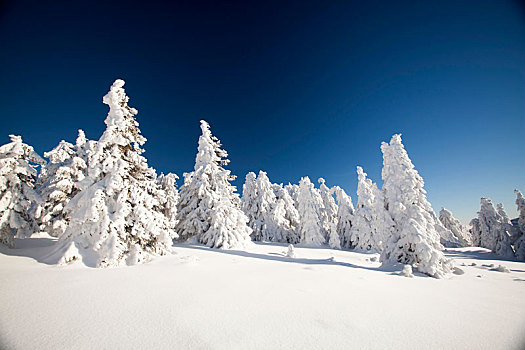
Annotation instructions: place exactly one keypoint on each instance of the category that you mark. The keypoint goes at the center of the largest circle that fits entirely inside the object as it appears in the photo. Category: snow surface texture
(201, 298)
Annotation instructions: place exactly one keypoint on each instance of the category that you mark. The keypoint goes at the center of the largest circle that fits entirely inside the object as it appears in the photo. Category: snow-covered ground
(201, 298)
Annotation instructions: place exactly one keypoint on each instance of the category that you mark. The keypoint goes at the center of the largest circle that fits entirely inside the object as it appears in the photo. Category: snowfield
(202, 298)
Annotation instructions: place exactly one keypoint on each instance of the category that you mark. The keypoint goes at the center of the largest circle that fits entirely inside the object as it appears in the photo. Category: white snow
(202, 298)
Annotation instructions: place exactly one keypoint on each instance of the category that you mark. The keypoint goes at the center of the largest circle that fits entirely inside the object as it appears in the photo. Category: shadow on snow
(36, 248)
(283, 258)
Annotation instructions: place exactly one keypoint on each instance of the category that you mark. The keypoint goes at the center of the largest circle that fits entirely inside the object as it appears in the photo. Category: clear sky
(291, 87)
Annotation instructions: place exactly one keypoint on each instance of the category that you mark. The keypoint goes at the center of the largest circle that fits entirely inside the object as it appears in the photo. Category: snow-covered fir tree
(64, 173)
(209, 207)
(501, 211)
(345, 216)
(168, 197)
(18, 163)
(293, 190)
(328, 215)
(285, 215)
(84, 148)
(520, 202)
(414, 240)
(519, 244)
(116, 219)
(309, 205)
(455, 226)
(475, 231)
(249, 201)
(265, 227)
(494, 233)
(372, 223)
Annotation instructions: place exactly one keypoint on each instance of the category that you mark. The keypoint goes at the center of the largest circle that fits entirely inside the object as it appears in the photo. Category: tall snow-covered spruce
(372, 223)
(415, 239)
(328, 215)
(17, 195)
(455, 226)
(519, 245)
(494, 230)
(309, 204)
(116, 219)
(63, 176)
(209, 207)
(285, 215)
(345, 216)
(258, 202)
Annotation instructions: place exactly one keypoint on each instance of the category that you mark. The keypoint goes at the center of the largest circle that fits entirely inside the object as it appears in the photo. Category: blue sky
(294, 88)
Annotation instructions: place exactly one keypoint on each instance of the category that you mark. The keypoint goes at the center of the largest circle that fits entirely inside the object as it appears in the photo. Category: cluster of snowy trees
(492, 229)
(108, 207)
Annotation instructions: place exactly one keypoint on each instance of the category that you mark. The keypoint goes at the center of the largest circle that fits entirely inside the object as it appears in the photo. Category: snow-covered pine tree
(116, 219)
(503, 214)
(456, 227)
(168, 198)
(371, 221)
(249, 202)
(345, 216)
(63, 174)
(489, 221)
(293, 190)
(475, 232)
(520, 202)
(209, 207)
(328, 215)
(84, 148)
(285, 216)
(519, 244)
(17, 195)
(494, 233)
(266, 228)
(414, 240)
(309, 204)
(513, 232)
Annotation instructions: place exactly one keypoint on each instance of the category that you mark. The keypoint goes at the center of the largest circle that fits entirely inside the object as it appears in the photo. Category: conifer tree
(266, 230)
(345, 216)
(116, 219)
(168, 198)
(519, 245)
(414, 240)
(309, 204)
(455, 226)
(18, 163)
(63, 176)
(520, 202)
(285, 216)
(494, 231)
(501, 211)
(249, 202)
(372, 223)
(475, 231)
(209, 207)
(328, 215)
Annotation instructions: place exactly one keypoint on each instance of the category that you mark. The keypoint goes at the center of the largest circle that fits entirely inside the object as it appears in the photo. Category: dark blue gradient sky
(291, 87)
